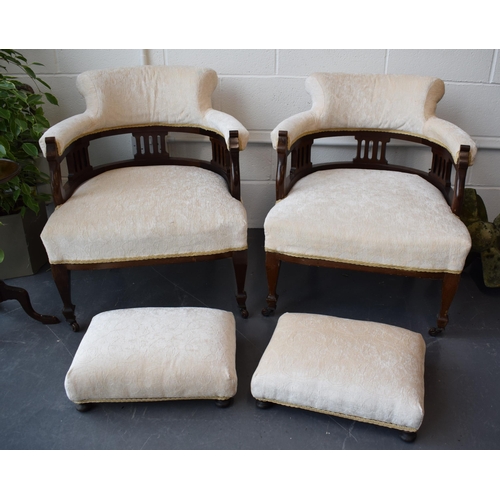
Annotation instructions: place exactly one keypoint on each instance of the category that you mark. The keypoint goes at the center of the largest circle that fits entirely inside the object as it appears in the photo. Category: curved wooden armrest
(55, 171)
(234, 170)
(461, 172)
(282, 149)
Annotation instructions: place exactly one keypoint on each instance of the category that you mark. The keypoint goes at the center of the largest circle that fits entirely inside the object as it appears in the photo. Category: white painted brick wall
(305, 62)
(449, 65)
(262, 87)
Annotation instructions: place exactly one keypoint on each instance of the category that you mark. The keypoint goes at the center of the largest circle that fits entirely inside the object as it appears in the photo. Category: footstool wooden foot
(83, 407)
(408, 437)
(224, 403)
(263, 405)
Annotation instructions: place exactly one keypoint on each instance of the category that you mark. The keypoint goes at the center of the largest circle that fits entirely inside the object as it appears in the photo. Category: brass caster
(268, 311)
(435, 331)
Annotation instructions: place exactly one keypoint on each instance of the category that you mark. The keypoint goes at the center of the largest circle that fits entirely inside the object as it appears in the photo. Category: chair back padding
(142, 96)
(394, 102)
(404, 104)
(147, 95)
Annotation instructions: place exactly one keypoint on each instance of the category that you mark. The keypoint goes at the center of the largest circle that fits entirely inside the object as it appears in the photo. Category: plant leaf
(22, 122)
(29, 71)
(35, 100)
(5, 84)
(42, 82)
(30, 149)
(25, 189)
(51, 98)
(42, 121)
(32, 204)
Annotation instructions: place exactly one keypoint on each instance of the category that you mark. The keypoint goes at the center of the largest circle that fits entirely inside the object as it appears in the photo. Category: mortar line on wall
(386, 64)
(267, 77)
(57, 61)
(475, 84)
(493, 65)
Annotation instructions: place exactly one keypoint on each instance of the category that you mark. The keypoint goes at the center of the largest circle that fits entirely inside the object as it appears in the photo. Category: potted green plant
(22, 123)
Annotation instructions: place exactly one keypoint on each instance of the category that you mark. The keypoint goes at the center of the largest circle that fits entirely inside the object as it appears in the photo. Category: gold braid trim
(342, 415)
(146, 400)
(148, 257)
(360, 263)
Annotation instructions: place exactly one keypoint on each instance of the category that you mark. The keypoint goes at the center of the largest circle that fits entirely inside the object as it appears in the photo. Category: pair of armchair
(363, 214)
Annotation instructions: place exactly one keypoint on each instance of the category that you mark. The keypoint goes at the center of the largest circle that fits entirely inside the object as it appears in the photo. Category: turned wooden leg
(240, 261)
(62, 279)
(273, 265)
(450, 287)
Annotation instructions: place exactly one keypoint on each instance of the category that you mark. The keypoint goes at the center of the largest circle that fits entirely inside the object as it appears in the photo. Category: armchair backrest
(385, 102)
(142, 96)
(403, 104)
(152, 95)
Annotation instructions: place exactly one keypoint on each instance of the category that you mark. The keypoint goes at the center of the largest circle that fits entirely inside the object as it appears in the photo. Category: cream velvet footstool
(155, 354)
(360, 370)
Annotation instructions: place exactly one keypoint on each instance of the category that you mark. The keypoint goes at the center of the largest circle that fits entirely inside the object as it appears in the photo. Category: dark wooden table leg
(21, 295)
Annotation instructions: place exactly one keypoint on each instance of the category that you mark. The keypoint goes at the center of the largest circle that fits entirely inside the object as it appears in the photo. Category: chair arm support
(74, 127)
(56, 184)
(67, 131)
(225, 124)
(451, 137)
(283, 151)
(461, 171)
(296, 126)
(234, 171)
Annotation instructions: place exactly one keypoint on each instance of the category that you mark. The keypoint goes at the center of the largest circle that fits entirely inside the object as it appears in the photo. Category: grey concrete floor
(462, 399)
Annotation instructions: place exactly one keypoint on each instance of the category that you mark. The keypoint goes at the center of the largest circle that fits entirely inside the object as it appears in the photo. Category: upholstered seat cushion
(354, 369)
(369, 217)
(152, 212)
(152, 354)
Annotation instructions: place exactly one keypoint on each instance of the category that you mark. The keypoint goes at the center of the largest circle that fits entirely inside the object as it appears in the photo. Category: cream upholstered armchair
(152, 208)
(367, 214)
